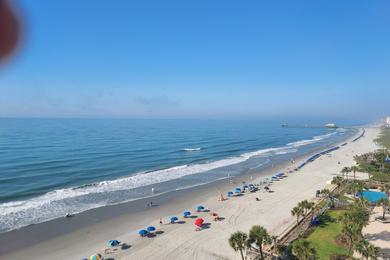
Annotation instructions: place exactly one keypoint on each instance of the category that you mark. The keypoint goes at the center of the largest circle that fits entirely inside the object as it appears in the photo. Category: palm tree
(385, 203)
(310, 206)
(361, 202)
(275, 243)
(345, 171)
(354, 169)
(373, 252)
(386, 189)
(356, 187)
(367, 250)
(326, 193)
(338, 180)
(238, 242)
(353, 222)
(352, 232)
(305, 205)
(259, 236)
(298, 212)
(303, 249)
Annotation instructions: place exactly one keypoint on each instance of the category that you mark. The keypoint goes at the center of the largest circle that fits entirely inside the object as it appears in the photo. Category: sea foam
(59, 202)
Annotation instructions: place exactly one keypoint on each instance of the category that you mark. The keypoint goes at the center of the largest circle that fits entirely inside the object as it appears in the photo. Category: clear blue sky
(197, 59)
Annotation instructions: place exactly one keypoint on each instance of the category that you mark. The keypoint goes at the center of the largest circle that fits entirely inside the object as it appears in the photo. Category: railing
(293, 231)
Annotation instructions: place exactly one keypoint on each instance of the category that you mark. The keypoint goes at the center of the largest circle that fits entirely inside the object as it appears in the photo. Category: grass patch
(384, 138)
(324, 237)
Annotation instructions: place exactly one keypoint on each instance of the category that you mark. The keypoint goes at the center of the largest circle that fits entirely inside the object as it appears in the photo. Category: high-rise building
(388, 121)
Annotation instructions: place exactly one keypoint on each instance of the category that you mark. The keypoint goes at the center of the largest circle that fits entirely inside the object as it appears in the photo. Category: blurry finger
(9, 29)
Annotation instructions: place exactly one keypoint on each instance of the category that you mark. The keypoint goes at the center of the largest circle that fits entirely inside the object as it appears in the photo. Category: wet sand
(88, 232)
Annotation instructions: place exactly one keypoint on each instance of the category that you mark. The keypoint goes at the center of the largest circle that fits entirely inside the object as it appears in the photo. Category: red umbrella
(199, 222)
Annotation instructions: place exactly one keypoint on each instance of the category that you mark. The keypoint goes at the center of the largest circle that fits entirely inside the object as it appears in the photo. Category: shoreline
(40, 240)
(78, 198)
(10, 240)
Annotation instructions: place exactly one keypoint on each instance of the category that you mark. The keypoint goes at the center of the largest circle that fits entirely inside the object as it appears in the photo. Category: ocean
(51, 167)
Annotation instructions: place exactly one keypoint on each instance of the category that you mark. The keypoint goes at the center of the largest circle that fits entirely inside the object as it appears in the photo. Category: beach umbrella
(237, 190)
(251, 185)
(186, 214)
(173, 219)
(143, 232)
(113, 242)
(199, 222)
(96, 257)
(230, 193)
(150, 229)
(200, 208)
(245, 187)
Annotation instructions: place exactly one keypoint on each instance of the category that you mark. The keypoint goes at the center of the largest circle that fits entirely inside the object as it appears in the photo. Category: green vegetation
(384, 138)
(324, 237)
(238, 242)
(302, 209)
(375, 163)
(340, 232)
(353, 221)
(385, 204)
(258, 236)
(303, 250)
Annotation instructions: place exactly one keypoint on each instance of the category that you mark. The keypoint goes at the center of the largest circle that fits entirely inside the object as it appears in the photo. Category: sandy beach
(89, 232)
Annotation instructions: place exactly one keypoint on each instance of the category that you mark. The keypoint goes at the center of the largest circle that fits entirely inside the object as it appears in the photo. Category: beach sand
(181, 241)
(378, 233)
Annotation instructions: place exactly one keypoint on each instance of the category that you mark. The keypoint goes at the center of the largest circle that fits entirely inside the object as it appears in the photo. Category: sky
(200, 59)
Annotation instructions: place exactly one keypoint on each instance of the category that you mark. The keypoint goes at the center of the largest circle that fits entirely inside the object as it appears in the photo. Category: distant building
(388, 121)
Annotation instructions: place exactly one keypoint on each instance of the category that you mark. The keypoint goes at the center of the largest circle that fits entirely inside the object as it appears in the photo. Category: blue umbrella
(186, 213)
(245, 187)
(251, 185)
(200, 207)
(238, 190)
(113, 242)
(142, 232)
(230, 193)
(173, 219)
(150, 228)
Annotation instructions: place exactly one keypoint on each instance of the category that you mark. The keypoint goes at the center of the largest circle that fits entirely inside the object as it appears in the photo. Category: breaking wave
(59, 202)
(191, 149)
(315, 139)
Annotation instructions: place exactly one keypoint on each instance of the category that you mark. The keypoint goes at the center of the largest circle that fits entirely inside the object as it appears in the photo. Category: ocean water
(51, 167)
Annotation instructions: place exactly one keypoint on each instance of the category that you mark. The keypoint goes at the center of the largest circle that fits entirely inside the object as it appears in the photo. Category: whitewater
(76, 199)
